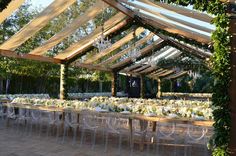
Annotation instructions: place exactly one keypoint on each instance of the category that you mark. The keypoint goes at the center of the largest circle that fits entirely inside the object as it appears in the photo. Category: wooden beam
(144, 52)
(175, 29)
(170, 28)
(142, 86)
(121, 8)
(176, 75)
(91, 67)
(110, 26)
(148, 70)
(159, 93)
(145, 66)
(12, 6)
(89, 14)
(114, 46)
(12, 54)
(156, 71)
(125, 51)
(53, 10)
(191, 50)
(114, 84)
(161, 72)
(166, 73)
(181, 10)
(166, 16)
(132, 67)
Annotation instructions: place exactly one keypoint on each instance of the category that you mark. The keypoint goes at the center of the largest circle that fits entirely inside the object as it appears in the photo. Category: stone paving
(13, 143)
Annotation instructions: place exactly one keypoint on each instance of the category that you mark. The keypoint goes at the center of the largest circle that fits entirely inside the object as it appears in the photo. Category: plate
(199, 118)
(125, 112)
(172, 116)
(102, 110)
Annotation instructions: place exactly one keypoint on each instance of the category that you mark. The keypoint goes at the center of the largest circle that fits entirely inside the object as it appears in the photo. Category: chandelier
(193, 74)
(152, 61)
(135, 51)
(102, 42)
(134, 54)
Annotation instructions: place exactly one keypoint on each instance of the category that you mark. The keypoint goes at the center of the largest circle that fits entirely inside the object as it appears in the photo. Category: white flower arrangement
(170, 108)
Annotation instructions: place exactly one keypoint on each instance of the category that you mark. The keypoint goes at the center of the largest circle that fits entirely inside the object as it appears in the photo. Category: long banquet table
(130, 117)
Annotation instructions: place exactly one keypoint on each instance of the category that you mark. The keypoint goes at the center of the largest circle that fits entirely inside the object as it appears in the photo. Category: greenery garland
(220, 65)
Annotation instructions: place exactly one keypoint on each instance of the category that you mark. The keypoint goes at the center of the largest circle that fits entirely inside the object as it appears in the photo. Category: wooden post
(114, 84)
(159, 88)
(63, 80)
(232, 83)
(171, 85)
(142, 86)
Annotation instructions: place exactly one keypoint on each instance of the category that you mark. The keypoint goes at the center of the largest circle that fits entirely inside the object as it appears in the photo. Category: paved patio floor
(13, 143)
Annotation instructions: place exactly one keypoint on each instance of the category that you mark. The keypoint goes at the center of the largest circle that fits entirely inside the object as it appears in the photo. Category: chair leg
(74, 135)
(94, 139)
(64, 134)
(82, 137)
(40, 128)
(106, 142)
(58, 130)
(48, 129)
(120, 141)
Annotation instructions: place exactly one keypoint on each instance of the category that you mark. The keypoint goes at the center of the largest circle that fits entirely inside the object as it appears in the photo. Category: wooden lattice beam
(125, 51)
(12, 54)
(132, 67)
(144, 52)
(194, 51)
(113, 24)
(145, 66)
(89, 14)
(92, 67)
(166, 16)
(176, 75)
(53, 10)
(114, 46)
(148, 20)
(181, 10)
(148, 70)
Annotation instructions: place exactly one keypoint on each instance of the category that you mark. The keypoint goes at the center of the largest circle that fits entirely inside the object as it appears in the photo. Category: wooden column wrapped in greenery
(142, 86)
(159, 88)
(114, 84)
(63, 81)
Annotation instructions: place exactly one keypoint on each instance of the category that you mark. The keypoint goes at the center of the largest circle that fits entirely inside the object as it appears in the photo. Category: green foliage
(220, 69)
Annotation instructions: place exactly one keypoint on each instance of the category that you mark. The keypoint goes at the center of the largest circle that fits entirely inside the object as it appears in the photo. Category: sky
(38, 3)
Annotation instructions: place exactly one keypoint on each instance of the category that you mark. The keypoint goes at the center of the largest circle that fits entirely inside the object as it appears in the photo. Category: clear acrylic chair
(116, 126)
(71, 120)
(89, 124)
(35, 120)
(166, 137)
(10, 114)
(196, 136)
(142, 134)
(23, 118)
(54, 122)
(3, 114)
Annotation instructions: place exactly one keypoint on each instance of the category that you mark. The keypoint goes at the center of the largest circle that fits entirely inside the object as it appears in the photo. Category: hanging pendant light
(135, 51)
(102, 42)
